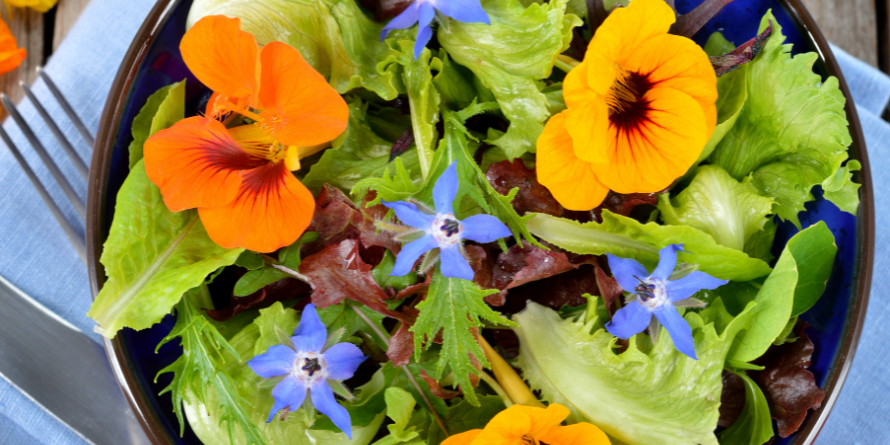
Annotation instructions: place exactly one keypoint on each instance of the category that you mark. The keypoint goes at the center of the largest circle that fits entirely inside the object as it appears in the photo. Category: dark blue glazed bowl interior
(739, 21)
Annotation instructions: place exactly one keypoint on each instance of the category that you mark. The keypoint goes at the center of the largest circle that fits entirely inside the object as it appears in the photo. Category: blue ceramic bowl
(153, 61)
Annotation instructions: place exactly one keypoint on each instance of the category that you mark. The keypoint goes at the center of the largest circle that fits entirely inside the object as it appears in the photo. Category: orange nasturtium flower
(240, 178)
(641, 107)
(528, 425)
(11, 56)
(37, 5)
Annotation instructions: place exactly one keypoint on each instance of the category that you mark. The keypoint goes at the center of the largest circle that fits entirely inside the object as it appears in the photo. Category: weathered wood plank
(67, 13)
(27, 27)
(849, 24)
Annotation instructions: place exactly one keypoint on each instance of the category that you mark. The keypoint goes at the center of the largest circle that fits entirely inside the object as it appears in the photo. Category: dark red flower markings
(628, 107)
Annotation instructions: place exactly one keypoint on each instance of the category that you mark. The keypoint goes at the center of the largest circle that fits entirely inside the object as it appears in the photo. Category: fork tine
(63, 141)
(76, 240)
(75, 119)
(38, 147)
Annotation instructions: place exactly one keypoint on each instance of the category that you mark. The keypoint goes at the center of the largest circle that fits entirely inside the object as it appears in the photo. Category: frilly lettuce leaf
(205, 418)
(152, 257)
(357, 154)
(510, 57)
(792, 132)
(647, 395)
(628, 238)
(715, 203)
(334, 36)
(732, 92)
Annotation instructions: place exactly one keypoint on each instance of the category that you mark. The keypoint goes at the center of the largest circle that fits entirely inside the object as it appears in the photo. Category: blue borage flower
(656, 295)
(443, 230)
(422, 12)
(308, 367)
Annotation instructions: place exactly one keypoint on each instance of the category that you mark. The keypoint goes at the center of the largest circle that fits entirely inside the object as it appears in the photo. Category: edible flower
(422, 13)
(641, 107)
(240, 178)
(37, 5)
(442, 230)
(11, 56)
(308, 367)
(657, 295)
(528, 425)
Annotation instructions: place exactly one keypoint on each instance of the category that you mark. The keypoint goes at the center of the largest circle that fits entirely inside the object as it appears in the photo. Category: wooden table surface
(860, 27)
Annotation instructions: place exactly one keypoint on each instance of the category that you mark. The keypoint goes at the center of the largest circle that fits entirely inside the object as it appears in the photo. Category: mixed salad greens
(472, 222)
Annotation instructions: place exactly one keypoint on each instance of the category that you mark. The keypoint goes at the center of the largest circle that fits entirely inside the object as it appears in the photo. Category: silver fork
(56, 365)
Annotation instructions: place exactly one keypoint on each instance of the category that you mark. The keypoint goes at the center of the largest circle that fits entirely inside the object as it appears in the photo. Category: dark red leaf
(743, 54)
(609, 289)
(596, 13)
(383, 9)
(532, 197)
(401, 346)
(578, 47)
(506, 342)
(337, 218)
(732, 400)
(281, 290)
(338, 273)
(402, 144)
(623, 204)
(520, 265)
(564, 289)
(437, 389)
(688, 24)
(790, 389)
(482, 262)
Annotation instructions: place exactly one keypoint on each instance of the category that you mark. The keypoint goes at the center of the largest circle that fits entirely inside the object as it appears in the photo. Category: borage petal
(465, 11)
(667, 261)
(424, 28)
(406, 19)
(409, 214)
(454, 265)
(196, 163)
(687, 286)
(289, 393)
(484, 229)
(272, 209)
(678, 328)
(572, 181)
(630, 320)
(410, 253)
(222, 57)
(445, 190)
(300, 107)
(278, 360)
(626, 271)
(342, 360)
(311, 333)
(324, 401)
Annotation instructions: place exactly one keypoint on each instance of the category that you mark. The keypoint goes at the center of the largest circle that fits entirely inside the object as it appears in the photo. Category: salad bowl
(154, 61)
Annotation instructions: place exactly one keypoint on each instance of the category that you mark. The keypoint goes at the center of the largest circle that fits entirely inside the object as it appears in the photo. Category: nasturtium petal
(299, 107)
(642, 396)
(650, 17)
(222, 57)
(572, 181)
(792, 132)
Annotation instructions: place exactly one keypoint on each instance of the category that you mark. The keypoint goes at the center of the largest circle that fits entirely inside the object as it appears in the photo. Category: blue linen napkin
(36, 256)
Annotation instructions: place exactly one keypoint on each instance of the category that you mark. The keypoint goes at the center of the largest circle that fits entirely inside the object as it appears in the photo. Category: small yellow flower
(527, 425)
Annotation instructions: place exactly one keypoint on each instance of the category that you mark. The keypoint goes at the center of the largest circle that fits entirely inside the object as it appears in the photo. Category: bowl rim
(110, 121)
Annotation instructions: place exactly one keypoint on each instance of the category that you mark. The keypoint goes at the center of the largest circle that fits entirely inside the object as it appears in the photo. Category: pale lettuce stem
(565, 63)
(497, 388)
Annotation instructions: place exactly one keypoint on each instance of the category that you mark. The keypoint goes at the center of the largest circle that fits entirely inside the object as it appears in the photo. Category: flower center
(651, 293)
(446, 230)
(310, 367)
(627, 106)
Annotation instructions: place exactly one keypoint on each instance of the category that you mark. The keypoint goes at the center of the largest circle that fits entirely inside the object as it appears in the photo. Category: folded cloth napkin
(36, 256)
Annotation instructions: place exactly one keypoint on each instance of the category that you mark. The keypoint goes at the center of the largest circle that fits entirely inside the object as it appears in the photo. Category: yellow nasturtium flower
(528, 425)
(37, 5)
(641, 107)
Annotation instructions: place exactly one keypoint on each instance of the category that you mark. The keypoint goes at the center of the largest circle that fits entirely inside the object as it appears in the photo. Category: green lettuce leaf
(754, 425)
(334, 36)
(400, 408)
(163, 109)
(715, 203)
(357, 154)
(510, 57)
(792, 131)
(628, 238)
(651, 394)
(264, 274)
(207, 418)
(152, 257)
(814, 250)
